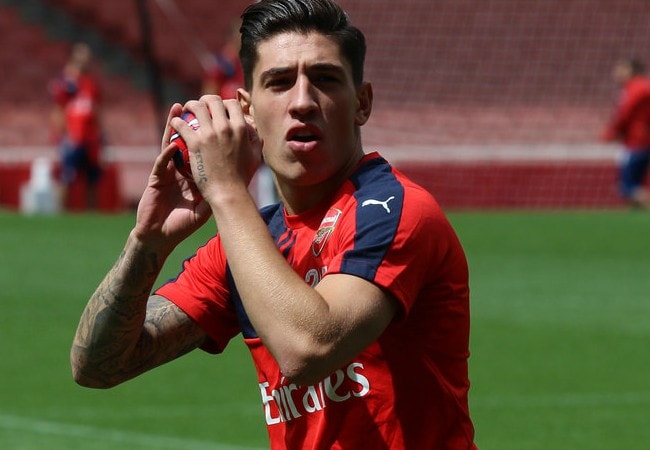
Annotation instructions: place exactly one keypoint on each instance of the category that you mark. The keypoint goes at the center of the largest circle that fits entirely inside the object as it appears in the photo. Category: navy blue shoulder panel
(268, 212)
(380, 199)
(245, 325)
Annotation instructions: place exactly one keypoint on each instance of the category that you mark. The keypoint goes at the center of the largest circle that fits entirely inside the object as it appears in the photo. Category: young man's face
(306, 108)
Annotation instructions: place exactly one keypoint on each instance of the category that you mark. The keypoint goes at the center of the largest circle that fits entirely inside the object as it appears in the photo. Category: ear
(364, 96)
(244, 98)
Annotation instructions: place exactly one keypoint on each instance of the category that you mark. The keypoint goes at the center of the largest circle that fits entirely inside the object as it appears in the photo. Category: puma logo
(372, 201)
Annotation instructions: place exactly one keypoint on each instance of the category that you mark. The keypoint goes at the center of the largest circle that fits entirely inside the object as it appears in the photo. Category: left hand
(226, 150)
(171, 207)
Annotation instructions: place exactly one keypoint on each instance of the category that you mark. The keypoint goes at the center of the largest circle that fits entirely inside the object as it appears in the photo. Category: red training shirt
(407, 390)
(631, 120)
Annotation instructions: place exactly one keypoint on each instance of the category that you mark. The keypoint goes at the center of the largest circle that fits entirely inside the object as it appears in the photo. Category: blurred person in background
(225, 75)
(223, 78)
(630, 125)
(76, 125)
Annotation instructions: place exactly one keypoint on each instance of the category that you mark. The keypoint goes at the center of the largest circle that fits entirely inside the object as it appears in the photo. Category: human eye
(278, 83)
(327, 77)
(278, 80)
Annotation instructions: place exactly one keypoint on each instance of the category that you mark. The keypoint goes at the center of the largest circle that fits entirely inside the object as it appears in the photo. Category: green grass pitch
(560, 332)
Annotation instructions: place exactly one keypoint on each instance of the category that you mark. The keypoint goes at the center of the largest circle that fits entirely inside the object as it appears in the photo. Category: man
(630, 124)
(76, 123)
(351, 294)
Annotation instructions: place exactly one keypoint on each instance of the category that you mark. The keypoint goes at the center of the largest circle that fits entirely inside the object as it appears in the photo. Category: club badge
(325, 230)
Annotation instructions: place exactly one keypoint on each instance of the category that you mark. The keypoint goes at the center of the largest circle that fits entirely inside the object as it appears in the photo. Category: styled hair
(268, 18)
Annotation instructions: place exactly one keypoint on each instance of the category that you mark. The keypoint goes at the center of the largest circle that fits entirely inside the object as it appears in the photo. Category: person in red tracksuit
(225, 74)
(630, 124)
(76, 123)
(351, 293)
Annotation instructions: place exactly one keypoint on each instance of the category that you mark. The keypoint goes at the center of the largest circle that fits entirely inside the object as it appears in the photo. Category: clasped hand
(225, 151)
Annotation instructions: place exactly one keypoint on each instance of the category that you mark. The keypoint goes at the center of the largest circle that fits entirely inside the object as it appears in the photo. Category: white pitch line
(17, 423)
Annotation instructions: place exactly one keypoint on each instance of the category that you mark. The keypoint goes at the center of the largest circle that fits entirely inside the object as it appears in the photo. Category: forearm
(295, 322)
(111, 325)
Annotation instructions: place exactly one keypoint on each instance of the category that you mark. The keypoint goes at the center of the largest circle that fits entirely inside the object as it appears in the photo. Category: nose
(303, 98)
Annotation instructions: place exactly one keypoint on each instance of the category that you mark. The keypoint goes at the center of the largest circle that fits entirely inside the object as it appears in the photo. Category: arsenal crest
(325, 230)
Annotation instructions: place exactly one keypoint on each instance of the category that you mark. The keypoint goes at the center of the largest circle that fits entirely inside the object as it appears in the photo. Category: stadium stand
(496, 103)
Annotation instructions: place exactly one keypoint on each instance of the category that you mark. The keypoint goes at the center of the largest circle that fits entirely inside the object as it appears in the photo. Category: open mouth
(304, 134)
(304, 138)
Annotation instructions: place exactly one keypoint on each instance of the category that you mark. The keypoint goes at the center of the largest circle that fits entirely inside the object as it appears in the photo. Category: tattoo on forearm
(119, 334)
(200, 167)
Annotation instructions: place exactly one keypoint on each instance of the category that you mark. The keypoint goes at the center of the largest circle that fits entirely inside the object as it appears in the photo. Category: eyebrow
(275, 72)
(319, 67)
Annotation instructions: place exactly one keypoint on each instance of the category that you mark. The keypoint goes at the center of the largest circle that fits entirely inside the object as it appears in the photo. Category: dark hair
(636, 66)
(267, 18)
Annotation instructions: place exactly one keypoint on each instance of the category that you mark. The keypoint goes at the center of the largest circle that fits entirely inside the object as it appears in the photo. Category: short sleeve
(408, 251)
(201, 291)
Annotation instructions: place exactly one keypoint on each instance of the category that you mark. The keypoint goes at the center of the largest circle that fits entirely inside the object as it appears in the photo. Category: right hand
(171, 207)
(225, 150)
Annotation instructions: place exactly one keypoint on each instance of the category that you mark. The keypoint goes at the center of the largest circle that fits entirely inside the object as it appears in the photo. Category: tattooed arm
(123, 331)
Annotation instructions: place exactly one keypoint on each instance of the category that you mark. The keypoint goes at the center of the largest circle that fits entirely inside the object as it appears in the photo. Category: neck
(298, 199)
